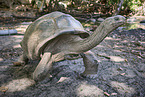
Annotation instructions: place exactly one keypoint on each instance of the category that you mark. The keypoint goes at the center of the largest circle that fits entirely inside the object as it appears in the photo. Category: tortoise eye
(116, 18)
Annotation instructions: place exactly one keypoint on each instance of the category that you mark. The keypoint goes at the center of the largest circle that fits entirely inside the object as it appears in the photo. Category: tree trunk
(119, 7)
(41, 6)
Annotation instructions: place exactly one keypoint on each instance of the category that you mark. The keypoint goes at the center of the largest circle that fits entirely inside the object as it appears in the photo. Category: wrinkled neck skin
(93, 40)
(99, 34)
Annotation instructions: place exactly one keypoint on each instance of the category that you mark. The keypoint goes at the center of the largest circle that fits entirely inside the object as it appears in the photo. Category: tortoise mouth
(84, 35)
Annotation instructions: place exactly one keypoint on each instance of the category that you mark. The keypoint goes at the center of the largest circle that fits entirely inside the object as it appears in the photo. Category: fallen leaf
(3, 89)
(123, 74)
(105, 93)
(62, 79)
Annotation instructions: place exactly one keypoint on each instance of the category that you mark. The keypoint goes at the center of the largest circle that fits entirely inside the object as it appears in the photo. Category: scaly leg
(43, 67)
(90, 63)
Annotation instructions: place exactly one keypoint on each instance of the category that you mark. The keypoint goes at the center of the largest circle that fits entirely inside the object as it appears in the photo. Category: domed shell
(47, 28)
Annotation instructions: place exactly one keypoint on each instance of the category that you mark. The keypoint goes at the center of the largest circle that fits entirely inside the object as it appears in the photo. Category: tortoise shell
(47, 28)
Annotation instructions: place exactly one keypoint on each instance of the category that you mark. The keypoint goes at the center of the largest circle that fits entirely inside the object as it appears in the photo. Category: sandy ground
(121, 73)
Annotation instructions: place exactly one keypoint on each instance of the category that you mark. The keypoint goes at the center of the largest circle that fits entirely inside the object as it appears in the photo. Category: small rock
(93, 20)
(100, 19)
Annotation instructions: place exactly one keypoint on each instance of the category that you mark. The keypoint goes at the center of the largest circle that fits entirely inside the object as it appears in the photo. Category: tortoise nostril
(116, 18)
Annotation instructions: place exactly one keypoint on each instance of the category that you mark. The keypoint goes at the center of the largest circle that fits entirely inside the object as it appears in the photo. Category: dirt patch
(121, 71)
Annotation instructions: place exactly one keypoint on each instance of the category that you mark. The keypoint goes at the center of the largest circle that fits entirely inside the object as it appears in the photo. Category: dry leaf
(3, 89)
(105, 93)
(123, 74)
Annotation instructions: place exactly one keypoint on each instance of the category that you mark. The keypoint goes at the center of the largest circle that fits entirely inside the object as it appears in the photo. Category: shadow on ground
(121, 71)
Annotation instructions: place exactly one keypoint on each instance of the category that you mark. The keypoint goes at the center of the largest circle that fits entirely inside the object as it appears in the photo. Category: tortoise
(55, 36)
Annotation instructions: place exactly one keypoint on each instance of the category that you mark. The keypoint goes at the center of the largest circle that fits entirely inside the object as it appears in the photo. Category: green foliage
(134, 4)
(84, 6)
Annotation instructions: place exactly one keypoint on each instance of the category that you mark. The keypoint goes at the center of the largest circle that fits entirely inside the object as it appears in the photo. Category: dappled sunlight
(100, 46)
(118, 46)
(22, 27)
(116, 74)
(17, 40)
(17, 46)
(110, 38)
(143, 43)
(124, 41)
(117, 51)
(1, 59)
(88, 90)
(122, 88)
(19, 84)
(116, 59)
(17, 36)
(129, 26)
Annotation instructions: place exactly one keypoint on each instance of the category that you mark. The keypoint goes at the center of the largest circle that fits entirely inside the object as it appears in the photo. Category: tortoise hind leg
(22, 60)
(43, 67)
(90, 62)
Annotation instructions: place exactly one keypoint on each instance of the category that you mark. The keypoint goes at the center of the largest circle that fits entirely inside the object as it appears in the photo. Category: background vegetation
(103, 7)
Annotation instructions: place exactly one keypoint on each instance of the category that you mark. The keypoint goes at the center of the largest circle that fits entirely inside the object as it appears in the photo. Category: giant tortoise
(55, 36)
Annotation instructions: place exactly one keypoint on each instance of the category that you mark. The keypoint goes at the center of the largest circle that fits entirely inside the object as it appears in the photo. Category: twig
(103, 56)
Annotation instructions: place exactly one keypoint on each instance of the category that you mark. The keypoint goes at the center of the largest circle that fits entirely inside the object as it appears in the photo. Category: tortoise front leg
(90, 63)
(43, 67)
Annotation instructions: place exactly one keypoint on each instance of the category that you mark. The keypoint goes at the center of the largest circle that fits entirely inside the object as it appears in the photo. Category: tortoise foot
(43, 68)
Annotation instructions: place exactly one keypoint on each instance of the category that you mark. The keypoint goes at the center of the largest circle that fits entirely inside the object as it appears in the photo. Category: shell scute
(46, 28)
